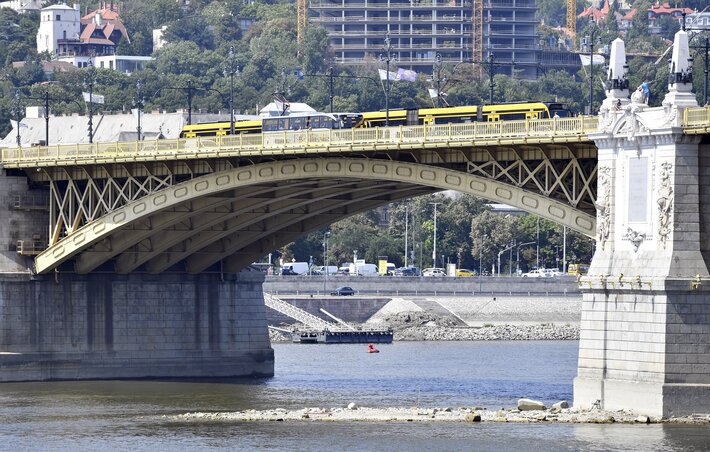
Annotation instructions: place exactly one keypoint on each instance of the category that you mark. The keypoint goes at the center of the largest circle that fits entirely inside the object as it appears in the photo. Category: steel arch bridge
(190, 204)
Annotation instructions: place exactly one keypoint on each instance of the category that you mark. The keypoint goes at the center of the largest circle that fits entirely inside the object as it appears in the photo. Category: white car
(434, 272)
(552, 272)
(537, 273)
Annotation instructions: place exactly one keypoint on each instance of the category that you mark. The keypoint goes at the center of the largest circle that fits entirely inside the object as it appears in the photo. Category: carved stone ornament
(665, 203)
(634, 237)
(603, 205)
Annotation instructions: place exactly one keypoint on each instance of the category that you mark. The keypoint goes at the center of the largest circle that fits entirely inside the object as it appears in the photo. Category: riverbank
(353, 413)
(425, 326)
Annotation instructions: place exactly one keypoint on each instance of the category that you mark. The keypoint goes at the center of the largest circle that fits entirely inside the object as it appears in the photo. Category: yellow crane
(301, 21)
(572, 20)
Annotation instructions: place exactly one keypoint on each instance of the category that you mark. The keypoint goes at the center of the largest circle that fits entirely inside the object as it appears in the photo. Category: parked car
(537, 273)
(343, 291)
(285, 271)
(465, 272)
(434, 272)
(407, 271)
(552, 272)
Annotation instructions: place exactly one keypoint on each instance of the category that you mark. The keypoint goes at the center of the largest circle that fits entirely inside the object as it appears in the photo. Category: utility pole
(490, 63)
(232, 70)
(90, 84)
(590, 41)
(406, 231)
(138, 102)
(330, 87)
(706, 48)
(437, 78)
(18, 115)
(387, 58)
(433, 254)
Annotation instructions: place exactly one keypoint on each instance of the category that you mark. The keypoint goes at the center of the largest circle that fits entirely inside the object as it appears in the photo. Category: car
(552, 272)
(407, 271)
(343, 291)
(287, 271)
(465, 272)
(537, 273)
(434, 272)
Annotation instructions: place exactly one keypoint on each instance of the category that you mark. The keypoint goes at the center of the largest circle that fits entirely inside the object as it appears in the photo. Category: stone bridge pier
(645, 328)
(64, 326)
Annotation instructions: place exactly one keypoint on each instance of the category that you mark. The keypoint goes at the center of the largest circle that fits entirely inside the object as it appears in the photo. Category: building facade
(421, 29)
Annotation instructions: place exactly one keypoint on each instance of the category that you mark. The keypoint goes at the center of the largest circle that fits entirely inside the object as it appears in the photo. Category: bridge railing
(694, 117)
(300, 142)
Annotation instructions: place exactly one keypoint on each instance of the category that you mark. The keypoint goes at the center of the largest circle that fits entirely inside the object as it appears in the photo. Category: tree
(490, 233)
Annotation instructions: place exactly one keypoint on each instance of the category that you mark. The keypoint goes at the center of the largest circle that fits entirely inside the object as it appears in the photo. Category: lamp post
(190, 89)
(18, 115)
(590, 41)
(325, 261)
(706, 48)
(433, 253)
(387, 58)
(501, 252)
(232, 70)
(330, 87)
(90, 83)
(437, 78)
(138, 102)
(517, 256)
(406, 230)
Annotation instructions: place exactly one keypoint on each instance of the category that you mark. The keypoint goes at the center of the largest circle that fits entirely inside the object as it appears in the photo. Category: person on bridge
(646, 92)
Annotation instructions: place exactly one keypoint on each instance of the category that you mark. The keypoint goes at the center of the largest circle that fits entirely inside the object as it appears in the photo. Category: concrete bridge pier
(104, 326)
(645, 327)
(64, 326)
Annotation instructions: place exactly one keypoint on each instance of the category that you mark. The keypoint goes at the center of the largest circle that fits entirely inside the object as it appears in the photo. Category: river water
(139, 415)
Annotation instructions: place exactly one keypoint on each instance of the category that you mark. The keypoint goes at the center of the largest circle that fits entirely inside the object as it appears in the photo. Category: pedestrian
(646, 92)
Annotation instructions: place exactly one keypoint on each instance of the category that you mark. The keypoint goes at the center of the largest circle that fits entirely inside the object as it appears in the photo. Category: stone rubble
(421, 414)
(423, 326)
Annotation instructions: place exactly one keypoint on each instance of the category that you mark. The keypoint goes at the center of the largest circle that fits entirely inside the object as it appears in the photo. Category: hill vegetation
(199, 35)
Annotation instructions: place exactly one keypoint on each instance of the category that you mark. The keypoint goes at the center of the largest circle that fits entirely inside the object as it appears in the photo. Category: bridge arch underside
(235, 216)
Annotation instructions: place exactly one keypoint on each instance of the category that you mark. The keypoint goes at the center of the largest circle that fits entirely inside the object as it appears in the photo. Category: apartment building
(421, 29)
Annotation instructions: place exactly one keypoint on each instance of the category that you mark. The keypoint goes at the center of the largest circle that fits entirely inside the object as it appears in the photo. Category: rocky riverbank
(354, 413)
(423, 326)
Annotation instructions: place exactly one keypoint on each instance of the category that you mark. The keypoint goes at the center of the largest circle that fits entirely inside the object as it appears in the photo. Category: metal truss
(76, 202)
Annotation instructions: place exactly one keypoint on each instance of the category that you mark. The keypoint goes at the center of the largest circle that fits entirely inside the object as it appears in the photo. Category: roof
(109, 23)
(667, 9)
(596, 13)
(60, 6)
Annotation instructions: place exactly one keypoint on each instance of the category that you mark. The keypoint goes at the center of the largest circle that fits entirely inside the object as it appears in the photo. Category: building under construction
(457, 30)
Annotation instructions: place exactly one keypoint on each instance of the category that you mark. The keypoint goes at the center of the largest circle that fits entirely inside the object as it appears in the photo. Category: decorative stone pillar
(645, 328)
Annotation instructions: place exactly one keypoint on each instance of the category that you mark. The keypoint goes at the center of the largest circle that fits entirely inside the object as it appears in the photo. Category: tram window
(270, 125)
(512, 116)
(297, 123)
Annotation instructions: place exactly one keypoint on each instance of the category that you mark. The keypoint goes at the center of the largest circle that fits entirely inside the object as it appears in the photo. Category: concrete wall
(350, 309)
(136, 326)
(374, 285)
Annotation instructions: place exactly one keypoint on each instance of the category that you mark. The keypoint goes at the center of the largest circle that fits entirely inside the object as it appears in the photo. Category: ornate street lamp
(232, 69)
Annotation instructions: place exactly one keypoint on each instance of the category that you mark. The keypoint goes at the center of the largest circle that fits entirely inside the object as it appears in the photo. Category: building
(23, 6)
(88, 40)
(698, 21)
(421, 29)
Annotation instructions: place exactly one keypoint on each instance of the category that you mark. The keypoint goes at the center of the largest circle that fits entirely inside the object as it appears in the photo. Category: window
(59, 17)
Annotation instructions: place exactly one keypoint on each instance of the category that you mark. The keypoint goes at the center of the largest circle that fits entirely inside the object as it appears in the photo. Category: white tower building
(57, 22)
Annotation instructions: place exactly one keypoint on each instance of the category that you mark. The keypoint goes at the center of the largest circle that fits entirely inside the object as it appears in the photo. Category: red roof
(667, 9)
(597, 14)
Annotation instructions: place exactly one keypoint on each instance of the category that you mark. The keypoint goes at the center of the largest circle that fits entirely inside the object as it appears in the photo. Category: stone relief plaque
(637, 190)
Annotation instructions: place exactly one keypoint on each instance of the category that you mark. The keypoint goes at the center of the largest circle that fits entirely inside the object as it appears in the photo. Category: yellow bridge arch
(237, 215)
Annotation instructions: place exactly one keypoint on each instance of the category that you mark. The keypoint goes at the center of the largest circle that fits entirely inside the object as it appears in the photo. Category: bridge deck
(561, 130)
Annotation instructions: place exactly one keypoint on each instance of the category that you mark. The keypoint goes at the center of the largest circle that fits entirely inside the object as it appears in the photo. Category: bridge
(191, 214)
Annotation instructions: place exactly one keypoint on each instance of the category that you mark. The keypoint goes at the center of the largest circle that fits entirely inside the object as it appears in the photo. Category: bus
(577, 269)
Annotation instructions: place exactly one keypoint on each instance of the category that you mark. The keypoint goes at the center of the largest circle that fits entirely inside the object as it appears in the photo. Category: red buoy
(371, 349)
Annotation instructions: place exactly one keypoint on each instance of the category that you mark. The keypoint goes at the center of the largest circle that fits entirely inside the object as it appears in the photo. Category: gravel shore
(353, 413)
(424, 326)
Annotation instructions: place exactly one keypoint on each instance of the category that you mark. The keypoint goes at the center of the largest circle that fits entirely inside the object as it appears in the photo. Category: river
(139, 415)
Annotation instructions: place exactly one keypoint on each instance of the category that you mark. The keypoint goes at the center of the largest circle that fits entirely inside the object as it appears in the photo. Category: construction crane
(301, 21)
(572, 20)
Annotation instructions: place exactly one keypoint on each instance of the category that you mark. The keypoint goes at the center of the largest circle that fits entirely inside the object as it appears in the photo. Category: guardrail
(696, 117)
(306, 142)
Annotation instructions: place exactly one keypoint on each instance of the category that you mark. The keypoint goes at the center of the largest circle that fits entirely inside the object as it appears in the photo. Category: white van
(363, 269)
(322, 269)
(299, 268)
